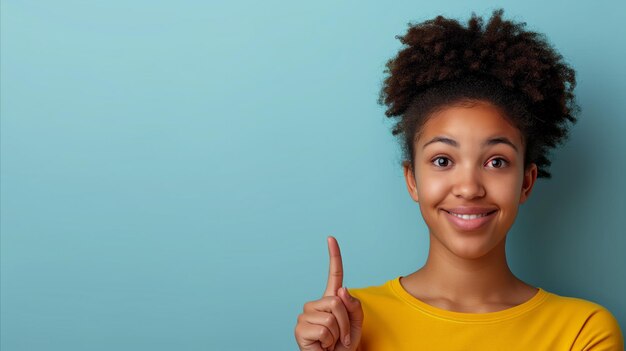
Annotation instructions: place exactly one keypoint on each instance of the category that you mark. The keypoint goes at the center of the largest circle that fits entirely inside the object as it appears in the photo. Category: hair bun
(440, 51)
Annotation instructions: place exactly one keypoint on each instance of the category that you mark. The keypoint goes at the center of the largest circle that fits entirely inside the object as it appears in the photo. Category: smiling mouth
(470, 223)
(470, 216)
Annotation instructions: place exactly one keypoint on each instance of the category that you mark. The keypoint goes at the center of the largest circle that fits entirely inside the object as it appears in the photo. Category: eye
(498, 164)
(437, 161)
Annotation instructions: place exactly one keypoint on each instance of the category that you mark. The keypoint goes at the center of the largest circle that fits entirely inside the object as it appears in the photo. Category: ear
(530, 177)
(409, 176)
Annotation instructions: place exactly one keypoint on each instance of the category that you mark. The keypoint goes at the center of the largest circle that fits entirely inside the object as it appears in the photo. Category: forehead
(470, 124)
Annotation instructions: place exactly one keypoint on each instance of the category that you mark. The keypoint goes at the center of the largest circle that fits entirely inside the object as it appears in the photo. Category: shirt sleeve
(600, 332)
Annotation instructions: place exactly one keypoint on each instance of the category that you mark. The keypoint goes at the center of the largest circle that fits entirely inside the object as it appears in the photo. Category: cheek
(432, 187)
(505, 190)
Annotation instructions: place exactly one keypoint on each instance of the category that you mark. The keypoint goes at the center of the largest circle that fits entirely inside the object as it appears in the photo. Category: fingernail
(346, 340)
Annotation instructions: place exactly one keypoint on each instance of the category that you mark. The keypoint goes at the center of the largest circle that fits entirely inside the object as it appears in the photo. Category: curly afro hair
(443, 63)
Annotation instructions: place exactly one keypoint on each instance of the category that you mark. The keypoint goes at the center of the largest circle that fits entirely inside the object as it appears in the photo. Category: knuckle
(329, 320)
(296, 331)
(323, 333)
(335, 301)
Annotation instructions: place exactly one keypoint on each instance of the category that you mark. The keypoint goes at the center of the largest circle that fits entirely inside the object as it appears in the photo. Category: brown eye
(498, 162)
(438, 161)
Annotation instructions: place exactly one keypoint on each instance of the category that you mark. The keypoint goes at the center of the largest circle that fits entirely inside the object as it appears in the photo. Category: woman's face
(469, 159)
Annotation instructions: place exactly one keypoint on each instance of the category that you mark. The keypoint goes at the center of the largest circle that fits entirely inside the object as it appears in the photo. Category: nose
(468, 183)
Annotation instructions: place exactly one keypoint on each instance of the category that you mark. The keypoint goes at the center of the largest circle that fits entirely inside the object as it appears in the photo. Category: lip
(470, 210)
(469, 224)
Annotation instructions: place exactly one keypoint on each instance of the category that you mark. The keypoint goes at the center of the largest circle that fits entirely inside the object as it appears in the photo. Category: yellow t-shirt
(395, 320)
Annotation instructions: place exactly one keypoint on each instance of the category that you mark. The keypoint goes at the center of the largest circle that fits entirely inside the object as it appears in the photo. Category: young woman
(480, 108)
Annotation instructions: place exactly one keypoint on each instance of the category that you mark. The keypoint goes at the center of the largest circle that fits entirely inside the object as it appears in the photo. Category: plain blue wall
(170, 170)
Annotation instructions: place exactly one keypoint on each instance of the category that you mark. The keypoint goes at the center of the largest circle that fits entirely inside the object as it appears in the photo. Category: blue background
(171, 170)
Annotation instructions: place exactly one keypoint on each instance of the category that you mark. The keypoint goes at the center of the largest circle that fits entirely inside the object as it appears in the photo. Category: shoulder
(598, 327)
(371, 291)
(374, 297)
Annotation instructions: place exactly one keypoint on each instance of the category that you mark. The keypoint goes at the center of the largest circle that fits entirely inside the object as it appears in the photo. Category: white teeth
(465, 216)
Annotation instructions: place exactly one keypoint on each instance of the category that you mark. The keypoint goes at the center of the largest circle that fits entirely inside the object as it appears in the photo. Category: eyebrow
(488, 142)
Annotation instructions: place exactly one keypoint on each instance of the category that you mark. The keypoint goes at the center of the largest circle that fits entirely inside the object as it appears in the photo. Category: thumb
(353, 305)
(355, 314)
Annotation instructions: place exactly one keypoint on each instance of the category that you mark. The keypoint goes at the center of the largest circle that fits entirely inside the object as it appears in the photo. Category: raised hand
(335, 321)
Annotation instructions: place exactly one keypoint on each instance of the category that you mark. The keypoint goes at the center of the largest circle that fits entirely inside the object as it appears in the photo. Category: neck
(466, 280)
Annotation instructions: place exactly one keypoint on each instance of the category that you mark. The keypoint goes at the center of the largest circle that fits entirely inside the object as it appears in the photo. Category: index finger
(335, 271)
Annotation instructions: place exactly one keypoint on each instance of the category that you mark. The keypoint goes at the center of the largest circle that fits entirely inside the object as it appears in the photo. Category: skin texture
(468, 271)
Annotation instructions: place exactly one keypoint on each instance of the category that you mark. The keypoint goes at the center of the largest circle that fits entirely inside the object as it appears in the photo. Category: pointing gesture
(335, 272)
(334, 322)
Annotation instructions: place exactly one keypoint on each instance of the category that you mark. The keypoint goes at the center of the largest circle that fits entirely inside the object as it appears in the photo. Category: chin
(472, 247)
(471, 253)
